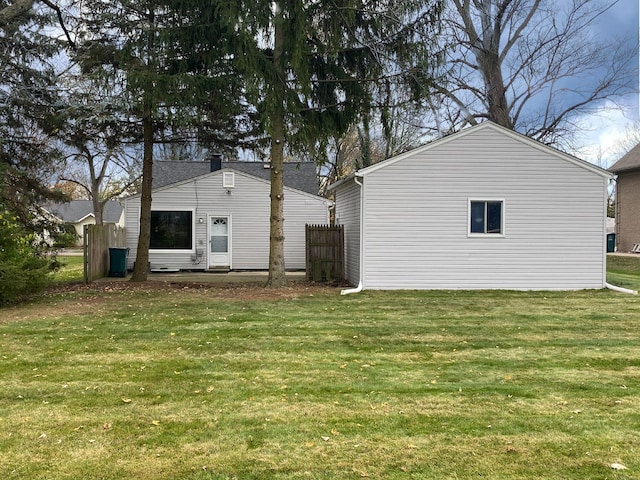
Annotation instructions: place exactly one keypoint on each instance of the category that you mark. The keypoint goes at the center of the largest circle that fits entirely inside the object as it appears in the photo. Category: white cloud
(601, 135)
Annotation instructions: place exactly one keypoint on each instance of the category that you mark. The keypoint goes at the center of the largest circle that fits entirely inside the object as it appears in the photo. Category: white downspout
(620, 289)
(360, 286)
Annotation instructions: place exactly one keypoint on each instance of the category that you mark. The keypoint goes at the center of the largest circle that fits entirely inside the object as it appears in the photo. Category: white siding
(248, 207)
(347, 197)
(417, 212)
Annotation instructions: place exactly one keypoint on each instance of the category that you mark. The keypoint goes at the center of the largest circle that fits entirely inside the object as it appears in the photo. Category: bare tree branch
(531, 65)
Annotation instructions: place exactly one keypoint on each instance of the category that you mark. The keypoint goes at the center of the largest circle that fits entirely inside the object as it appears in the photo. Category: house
(79, 213)
(485, 208)
(627, 170)
(214, 215)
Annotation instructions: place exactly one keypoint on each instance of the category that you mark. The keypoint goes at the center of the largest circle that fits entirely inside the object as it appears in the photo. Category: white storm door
(219, 235)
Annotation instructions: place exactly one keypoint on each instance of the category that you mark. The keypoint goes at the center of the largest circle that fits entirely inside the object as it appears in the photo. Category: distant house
(627, 170)
(215, 215)
(79, 213)
(485, 208)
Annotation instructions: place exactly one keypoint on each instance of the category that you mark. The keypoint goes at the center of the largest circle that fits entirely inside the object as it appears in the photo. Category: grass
(72, 270)
(190, 383)
(624, 271)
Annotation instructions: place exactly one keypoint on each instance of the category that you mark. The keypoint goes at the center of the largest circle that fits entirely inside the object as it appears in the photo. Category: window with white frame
(486, 217)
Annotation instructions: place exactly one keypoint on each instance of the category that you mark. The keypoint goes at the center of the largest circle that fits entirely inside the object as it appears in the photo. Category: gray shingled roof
(630, 161)
(76, 210)
(299, 175)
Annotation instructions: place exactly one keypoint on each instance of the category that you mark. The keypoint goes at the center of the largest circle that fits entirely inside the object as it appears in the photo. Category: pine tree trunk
(142, 255)
(277, 277)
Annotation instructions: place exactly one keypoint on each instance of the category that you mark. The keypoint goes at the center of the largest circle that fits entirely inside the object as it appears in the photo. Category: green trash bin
(118, 262)
(611, 242)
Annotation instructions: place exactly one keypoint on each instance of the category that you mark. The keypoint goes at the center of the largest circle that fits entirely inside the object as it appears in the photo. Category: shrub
(65, 237)
(24, 269)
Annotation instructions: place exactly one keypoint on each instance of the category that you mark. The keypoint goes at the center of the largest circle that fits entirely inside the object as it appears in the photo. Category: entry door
(219, 233)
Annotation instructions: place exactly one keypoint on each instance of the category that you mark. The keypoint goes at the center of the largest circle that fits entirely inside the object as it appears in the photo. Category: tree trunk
(98, 208)
(144, 237)
(495, 90)
(277, 276)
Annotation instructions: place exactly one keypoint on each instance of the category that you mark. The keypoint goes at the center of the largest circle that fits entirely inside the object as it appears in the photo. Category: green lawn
(222, 383)
(72, 270)
(624, 271)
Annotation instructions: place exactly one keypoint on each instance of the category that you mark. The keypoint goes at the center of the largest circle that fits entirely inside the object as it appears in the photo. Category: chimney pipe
(216, 162)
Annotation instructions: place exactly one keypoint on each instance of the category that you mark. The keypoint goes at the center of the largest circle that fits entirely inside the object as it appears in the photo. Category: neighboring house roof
(77, 210)
(630, 161)
(298, 175)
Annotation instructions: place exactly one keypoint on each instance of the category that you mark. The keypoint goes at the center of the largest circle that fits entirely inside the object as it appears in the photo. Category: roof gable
(297, 175)
(630, 161)
(216, 173)
(78, 210)
(486, 125)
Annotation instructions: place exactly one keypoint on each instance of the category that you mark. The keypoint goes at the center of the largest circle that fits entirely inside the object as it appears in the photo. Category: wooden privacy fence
(325, 253)
(97, 241)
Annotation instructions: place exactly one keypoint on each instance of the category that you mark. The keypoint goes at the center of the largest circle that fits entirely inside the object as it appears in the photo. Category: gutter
(360, 286)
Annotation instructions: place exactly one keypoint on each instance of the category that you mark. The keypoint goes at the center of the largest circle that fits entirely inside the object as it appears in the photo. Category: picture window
(171, 230)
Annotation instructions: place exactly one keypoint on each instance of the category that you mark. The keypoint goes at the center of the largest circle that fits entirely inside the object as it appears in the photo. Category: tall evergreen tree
(312, 67)
(307, 69)
(170, 56)
(28, 115)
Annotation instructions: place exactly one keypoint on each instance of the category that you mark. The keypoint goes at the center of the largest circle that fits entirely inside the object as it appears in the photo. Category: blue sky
(605, 130)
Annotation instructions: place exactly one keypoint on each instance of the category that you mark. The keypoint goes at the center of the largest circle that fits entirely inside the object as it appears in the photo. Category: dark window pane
(171, 230)
(494, 217)
(477, 217)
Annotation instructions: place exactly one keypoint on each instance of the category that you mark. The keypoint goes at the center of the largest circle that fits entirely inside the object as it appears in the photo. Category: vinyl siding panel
(247, 206)
(417, 219)
(347, 213)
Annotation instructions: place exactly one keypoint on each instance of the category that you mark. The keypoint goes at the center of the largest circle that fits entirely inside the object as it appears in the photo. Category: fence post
(86, 253)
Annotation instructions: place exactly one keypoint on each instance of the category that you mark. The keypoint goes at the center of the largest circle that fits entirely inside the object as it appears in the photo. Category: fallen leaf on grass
(326, 439)
(156, 423)
(618, 466)
(126, 400)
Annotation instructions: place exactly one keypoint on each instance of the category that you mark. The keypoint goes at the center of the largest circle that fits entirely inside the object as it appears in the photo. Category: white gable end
(416, 214)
